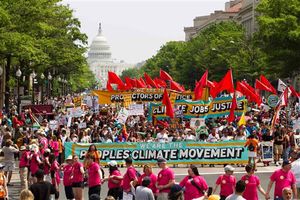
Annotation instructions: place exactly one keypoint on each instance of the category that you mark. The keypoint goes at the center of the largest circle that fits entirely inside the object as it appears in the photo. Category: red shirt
(129, 176)
(77, 175)
(227, 183)
(153, 179)
(282, 179)
(94, 176)
(111, 184)
(164, 177)
(24, 160)
(252, 182)
(67, 175)
(191, 191)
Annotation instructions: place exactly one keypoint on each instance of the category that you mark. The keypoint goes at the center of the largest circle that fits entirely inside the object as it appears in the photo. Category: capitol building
(100, 60)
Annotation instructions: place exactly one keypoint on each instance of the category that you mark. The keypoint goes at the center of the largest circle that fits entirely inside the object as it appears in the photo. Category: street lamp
(33, 75)
(18, 75)
(42, 90)
(49, 85)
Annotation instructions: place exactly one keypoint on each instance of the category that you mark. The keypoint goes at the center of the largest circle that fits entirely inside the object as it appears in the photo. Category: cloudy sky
(136, 29)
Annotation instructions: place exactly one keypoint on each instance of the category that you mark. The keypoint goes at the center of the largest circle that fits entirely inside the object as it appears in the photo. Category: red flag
(265, 81)
(160, 83)
(140, 84)
(260, 86)
(251, 96)
(231, 115)
(115, 79)
(294, 92)
(165, 76)
(163, 123)
(166, 101)
(176, 86)
(128, 83)
(149, 81)
(248, 86)
(203, 82)
(284, 98)
(225, 84)
(108, 86)
(124, 132)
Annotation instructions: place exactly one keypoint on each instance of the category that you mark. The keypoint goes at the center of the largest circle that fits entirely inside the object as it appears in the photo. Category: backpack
(251, 147)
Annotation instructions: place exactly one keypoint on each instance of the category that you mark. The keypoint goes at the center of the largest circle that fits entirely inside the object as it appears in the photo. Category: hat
(214, 197)
(229, 168)
(175, 188)
(47, 151)
(69, 157)
(22, 148)
(161, 160)
(286, 162)
(112, 163)
(1, 166)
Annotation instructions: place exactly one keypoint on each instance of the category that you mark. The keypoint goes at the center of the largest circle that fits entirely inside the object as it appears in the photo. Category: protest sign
(232, 152)
(197, 122)
(82, 125)
(75, 112)
(297, 140)
(77, 101)
(296, 124)
(267, 151)
(136, 109)
(122, 116)
(53, 125)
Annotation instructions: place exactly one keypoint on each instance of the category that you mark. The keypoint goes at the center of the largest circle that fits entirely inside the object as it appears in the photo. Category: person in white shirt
(143, 192)
(9, 159)
(189, 136)
(162, 136)
(296, 170)
(213, 136)
(239, 189)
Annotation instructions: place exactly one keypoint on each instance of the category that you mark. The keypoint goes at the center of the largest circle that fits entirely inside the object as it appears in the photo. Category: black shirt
(42, 190)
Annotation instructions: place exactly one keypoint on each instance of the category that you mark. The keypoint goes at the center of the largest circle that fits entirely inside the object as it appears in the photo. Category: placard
(197, 122)
(122, 116)
(53, 125)
(82, 125)
(297, 140)
(267, 151)
(136, 109)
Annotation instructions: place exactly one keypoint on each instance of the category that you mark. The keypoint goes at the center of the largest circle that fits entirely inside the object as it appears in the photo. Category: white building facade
(100, 59)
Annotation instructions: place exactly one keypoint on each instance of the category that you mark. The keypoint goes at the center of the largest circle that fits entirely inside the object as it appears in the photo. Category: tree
(132, 73)
(279, 31)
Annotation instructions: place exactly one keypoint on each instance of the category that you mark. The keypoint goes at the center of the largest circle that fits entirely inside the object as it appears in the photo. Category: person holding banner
(252, 144)
(165, 179)
(252, 184)
(194, 184)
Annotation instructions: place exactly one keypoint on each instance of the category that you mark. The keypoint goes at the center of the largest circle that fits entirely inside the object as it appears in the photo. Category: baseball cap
(286, 162)
(112, 163)
(70, 157)
(1, 166)
(161, 160)
(229, 168)
(175, 188)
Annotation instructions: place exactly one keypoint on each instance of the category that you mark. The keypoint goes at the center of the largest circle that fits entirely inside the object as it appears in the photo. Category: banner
(136, 109)
(200, 109)
(139, 95)
(232, 152)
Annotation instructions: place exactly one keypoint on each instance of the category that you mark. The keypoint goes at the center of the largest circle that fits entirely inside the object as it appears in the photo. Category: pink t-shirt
(153, 179)
(112, 184)
(164, 177)
(94, 176)
(252, 182)
(227, 183)
(44, 141)
(67, 175)
(54, 169)
(55, 148)
(77, 175)
(282, 179)
(34, 165)
(191, 192)
(46, 166)
(129, 176)
(24, 160)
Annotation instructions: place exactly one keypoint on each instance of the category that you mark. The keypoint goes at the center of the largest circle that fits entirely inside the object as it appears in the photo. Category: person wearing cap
(115, 180)
(252, 184)
(35, 162)
(143, 192)
(227, 182)
(165, 179)
(23, 166)
(147, 169)
(9, 159)
(3, 184)
(129, 179)
(296, 170)
(67, 180)
(194, 184)
(283, 177)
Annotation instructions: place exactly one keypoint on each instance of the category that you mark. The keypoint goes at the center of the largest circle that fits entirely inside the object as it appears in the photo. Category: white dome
(99, 49)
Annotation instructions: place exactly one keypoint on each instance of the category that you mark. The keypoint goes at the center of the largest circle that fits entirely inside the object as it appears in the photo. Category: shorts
(78, 185)
(69, 192)
(95, 190)
(278, 149)
(162, 196)
(9, 166)
(252, 154)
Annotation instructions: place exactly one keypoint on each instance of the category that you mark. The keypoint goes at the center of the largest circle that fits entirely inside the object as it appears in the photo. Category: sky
(136, 29)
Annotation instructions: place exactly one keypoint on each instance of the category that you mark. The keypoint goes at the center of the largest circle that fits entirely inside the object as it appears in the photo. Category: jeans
(286, 154)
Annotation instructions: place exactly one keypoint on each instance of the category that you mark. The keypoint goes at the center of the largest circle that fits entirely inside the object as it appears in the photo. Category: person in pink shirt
(54, 171)
(129, 179)
(67, 169)
(165, 179)
(77, 178)
(227, 182)
(283, 178)
(55, 146)
(42, 139)
(252, 184)
(35, 161)
(94, 175)
(47, 165)
(194, 184)
(148, 173)
(114, 181)
(23, 166)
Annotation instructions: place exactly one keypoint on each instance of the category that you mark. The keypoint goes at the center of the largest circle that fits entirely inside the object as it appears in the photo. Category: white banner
(75, 112)
(122, 116)
(281, 85)
(136, 109)
(53, 125)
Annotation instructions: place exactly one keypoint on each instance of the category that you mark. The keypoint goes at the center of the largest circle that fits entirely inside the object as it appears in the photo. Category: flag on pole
(281, 86)
(225, 84)
(165, 76)
(231, 115)
(169, 108)
(260, 86)
(242, 120)
(265, 81)
(200, 85)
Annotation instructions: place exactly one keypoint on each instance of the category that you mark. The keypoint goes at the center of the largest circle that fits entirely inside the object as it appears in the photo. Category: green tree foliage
(132, 73)
(279, 31)
(43, 35)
